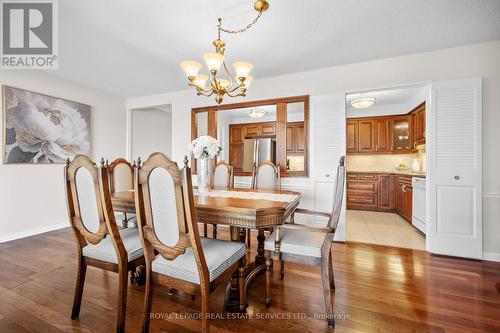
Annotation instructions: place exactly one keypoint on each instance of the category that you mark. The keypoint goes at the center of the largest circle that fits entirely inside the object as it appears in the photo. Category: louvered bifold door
(328, 144)
(454, 180)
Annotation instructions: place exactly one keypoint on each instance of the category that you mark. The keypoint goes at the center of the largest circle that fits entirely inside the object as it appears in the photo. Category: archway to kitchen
(386, 166)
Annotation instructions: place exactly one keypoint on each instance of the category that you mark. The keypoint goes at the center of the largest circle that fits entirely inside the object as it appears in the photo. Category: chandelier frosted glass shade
(214, 61)
(201, 80)
(191, 68)
(363, 103)
(242, 68)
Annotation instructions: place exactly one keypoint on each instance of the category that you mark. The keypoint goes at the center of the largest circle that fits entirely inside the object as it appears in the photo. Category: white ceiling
(133, 48)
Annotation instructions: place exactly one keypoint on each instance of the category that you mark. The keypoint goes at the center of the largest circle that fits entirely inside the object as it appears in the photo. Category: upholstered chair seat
(297, 241)
(105, 251)
(219, 255)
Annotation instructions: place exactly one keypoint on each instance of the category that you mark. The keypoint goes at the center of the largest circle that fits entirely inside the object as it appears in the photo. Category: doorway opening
(386, 166)
(150, 131)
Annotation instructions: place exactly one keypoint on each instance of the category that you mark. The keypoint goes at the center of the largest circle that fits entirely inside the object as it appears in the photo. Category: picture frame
(43, 129)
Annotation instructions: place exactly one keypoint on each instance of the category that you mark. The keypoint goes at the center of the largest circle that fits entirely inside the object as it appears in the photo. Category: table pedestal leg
(251, 271)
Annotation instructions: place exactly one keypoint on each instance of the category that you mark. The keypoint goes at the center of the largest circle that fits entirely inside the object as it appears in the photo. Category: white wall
(478, 60)
(151, 132)
(32, 197)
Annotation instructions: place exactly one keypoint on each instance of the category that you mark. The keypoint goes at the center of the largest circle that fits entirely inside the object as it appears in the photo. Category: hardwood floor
(379, 289)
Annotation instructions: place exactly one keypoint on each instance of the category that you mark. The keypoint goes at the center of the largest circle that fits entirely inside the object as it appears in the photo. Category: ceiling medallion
(221, 84)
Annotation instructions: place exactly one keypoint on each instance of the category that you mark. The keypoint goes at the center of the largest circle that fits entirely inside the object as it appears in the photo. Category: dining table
(241, 209)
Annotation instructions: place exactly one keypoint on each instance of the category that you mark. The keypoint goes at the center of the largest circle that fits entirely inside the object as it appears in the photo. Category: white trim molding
(491, 195)
(32, 232)
(491, 256)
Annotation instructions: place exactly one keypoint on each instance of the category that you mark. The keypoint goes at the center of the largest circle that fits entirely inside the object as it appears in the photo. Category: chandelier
(219, 79)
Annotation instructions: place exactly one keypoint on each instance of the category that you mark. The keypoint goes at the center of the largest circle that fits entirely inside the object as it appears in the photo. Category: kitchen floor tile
(379, 228)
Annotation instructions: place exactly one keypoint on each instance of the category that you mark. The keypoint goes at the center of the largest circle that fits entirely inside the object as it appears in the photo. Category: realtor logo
(29, 34)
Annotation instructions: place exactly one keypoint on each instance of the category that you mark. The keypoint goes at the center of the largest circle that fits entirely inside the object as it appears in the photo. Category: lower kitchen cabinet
(404, 191)
(382, 192)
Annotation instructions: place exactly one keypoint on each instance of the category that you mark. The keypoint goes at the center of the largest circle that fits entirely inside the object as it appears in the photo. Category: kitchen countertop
(395, 172)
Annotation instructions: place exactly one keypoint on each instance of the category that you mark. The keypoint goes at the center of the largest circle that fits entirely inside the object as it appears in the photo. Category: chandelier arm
(198, 88)
(237, 95)
(228, 75)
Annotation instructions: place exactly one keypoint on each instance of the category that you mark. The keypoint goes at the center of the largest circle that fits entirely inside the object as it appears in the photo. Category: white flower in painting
(54, 131)
(204, 147)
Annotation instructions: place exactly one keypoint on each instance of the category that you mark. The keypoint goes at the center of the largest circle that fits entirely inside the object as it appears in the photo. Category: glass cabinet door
(401, 134)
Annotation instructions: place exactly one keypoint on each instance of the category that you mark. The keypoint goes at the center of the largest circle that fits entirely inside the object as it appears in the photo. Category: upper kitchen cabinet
(366, 135)
(352, 136)
(402, 134)
(383, 135)
(418, 115)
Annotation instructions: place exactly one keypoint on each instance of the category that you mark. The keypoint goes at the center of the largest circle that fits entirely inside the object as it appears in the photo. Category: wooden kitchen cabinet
(295, 138)
(383, 135)
(366, 135)
(352, 136)
(404, 197)
(386, 196)
(383, 192)
(386, 134)
(402, 136)
(236, 156)
(419, 125)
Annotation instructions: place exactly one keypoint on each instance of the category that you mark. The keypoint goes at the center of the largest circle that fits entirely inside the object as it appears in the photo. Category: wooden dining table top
(236, 211)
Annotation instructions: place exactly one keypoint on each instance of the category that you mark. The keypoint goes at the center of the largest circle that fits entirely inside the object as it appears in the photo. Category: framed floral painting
(41, 129)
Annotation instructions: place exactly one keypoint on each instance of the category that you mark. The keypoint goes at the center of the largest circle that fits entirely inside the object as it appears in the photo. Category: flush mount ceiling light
(255, 113)
(363, 102)
(220, 81)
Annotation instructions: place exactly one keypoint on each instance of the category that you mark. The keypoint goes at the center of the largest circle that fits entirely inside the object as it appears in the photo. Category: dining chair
(176, 255)
(99, 242)
(223, 177)
(121, 175)
(307, 245)
(265, 176)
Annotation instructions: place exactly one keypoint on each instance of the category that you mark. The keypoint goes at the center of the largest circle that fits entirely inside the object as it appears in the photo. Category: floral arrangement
(204, 147)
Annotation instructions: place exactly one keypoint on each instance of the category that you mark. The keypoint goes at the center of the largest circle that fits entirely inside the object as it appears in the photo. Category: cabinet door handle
(415, 145)
(327, 175)
(403, 188)
(392, 147)
(457, 177)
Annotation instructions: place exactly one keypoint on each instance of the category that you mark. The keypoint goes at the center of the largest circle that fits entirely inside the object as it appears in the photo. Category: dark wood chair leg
(268, 278)
(122, 300)
(204, 230)
(330, 272)
(205, 302)
(241, 280)
(148, 298)
(80, 281)
(214, 231)
(125, 221)
(282, 269)
(249, 238)
(327, 291)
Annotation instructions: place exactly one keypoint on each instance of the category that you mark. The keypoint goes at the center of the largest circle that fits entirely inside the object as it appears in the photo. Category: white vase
(204, 173)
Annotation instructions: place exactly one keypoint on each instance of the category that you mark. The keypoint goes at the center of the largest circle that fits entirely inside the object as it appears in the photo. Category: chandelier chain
(239, 30)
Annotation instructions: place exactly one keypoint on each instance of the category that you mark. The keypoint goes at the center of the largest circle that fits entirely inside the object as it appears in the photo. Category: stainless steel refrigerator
(257, 150)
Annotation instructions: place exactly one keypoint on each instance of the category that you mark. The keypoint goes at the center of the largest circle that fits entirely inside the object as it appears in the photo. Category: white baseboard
(491, 256)
(32, 232)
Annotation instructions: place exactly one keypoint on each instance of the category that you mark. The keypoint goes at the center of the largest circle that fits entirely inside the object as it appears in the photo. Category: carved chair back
(165, 211)
(223, 175)
(89, 204)
(121, 174)
(338, 195)
(266, 176)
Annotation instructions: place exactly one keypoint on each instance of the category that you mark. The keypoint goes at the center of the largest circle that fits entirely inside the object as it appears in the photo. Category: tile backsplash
(386, 163)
